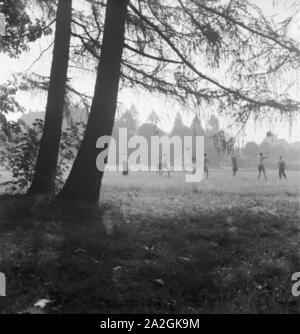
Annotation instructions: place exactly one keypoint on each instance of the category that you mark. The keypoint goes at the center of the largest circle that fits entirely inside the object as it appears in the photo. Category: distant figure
(282, 167)
(159, 165)
(194, 165)
(165, 165)
(260, 165)
(206, 162)
(234, 165)
(125, 165)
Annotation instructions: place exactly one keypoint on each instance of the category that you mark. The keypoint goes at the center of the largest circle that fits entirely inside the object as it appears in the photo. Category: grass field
(159, 245)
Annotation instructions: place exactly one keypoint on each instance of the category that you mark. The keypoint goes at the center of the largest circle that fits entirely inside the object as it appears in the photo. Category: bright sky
(143, 101)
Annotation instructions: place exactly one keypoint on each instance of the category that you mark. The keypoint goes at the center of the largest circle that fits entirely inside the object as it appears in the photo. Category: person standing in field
(206, 162)
(125, 164)
(234, 164)
(282, 167)
(159, 165)
(261, 165)
(165, 165)
(194, 167)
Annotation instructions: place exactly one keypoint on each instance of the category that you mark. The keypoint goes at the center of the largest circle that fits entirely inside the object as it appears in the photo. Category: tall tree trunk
(84, 181)
(45, 170)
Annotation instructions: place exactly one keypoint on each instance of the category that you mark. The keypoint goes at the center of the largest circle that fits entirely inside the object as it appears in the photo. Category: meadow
(157, 245)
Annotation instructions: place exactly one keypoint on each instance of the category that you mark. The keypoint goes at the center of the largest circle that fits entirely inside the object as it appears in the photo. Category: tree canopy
(202, 52)
(21, 27)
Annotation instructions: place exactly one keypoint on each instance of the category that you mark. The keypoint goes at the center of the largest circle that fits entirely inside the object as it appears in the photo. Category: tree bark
(84, 181)
(45, 170)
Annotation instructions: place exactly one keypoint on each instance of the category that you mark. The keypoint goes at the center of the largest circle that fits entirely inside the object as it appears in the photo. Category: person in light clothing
(125, 164)
(261, 165)
(165, 165)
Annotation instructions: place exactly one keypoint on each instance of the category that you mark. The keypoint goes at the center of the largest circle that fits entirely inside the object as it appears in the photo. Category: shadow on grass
(96, 261)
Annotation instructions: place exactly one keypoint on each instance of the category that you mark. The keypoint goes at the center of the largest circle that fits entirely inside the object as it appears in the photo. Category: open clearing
(157, 245)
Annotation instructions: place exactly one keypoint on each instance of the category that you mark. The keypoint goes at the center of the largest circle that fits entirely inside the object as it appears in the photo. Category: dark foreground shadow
(98, 261)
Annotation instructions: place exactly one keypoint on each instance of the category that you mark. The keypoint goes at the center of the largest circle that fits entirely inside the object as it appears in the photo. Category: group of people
(260, 165)
(164, 165)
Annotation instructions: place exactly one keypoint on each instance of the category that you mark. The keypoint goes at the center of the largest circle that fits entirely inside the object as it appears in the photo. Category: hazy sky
(144, 102)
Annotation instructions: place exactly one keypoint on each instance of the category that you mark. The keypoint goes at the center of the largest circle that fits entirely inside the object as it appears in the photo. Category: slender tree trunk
(84, 181)
(45, 170)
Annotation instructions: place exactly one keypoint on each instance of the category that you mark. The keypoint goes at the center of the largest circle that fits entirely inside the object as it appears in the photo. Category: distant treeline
(218, 148)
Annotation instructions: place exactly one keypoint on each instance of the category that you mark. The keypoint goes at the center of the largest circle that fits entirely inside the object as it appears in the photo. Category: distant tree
(196, 127)
(128, 120)
(218, 141)
(153, 118)
(133, 110)
(213, 126)
(265, 147)
(251, 149)
(292, 154)
(278, 151)
(147, 130)
(213, 154)
(179, 129)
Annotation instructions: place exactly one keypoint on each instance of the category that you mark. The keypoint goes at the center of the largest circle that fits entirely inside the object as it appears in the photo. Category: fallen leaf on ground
(42, 303)
(159, 281)
(187, 259)
(79, 250)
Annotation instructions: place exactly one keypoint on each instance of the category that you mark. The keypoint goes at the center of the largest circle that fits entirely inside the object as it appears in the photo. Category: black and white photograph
(149, 159)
